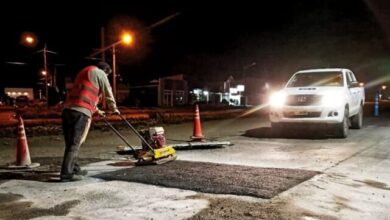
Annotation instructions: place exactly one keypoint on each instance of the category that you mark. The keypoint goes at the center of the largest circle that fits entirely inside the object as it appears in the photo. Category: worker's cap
(104, 66)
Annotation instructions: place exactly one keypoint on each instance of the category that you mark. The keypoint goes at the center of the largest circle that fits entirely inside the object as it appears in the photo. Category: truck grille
(303, 100)
(302, 114)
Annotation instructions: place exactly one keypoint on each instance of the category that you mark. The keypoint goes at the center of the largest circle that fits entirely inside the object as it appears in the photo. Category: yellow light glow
(127, 38)
(30, 39)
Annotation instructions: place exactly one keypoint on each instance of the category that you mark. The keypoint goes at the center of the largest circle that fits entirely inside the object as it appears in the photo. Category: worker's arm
(106, 90)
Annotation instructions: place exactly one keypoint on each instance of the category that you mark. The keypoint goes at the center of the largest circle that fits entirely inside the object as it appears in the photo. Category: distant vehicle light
(233, 90)
(240, 88)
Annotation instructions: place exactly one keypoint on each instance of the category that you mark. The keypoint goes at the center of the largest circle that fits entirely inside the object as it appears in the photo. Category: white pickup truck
(331, 97)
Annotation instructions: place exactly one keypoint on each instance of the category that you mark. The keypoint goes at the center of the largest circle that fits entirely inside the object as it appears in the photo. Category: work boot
(71, 177)
(78, 171)
(81, 172)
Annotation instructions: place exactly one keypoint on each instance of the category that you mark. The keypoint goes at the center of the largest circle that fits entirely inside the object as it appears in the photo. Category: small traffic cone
(23, 159)
(197, 135)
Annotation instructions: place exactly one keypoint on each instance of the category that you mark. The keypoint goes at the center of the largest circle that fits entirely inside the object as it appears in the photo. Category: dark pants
(75, 126)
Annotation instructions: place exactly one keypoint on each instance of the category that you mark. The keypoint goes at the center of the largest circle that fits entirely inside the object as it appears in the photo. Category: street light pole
(126, 39)
(44, 52)
(114, 71)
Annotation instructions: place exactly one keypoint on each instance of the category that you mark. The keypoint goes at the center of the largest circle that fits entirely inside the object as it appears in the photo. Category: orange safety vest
(84, 93)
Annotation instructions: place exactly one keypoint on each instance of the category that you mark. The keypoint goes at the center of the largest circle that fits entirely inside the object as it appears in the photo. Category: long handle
(117, 133)
(137, 133)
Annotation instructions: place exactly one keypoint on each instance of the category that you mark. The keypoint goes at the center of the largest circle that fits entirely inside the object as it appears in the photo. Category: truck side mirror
(354, 85)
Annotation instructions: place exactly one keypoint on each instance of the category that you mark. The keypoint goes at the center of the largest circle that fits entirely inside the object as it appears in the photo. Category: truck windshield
(316, 79)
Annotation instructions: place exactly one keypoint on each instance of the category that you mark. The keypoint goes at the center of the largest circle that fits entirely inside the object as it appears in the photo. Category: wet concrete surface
(215, 178)
(13, 207)
(47, 171)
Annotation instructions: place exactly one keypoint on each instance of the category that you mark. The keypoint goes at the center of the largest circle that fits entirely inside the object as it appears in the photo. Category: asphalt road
(354, 182)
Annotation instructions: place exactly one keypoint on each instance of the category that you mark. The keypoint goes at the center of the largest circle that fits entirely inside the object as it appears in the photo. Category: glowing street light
(29, 39)
(127, 38)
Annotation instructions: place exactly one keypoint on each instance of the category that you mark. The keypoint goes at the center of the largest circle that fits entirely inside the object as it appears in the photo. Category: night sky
(207, 41)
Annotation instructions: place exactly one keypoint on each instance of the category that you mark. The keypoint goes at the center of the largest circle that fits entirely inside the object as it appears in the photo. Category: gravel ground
(232, 209)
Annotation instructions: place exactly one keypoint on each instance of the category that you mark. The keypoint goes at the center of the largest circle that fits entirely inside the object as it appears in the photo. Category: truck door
(354, 90)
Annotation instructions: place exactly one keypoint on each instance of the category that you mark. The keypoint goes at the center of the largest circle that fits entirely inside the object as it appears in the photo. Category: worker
(90, 86)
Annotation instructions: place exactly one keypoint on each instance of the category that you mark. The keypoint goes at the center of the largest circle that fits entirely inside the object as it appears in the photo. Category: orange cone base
(197, 138)
(14, 167)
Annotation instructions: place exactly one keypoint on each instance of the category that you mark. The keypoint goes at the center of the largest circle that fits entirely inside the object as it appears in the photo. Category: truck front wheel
(357, 120)
(342, 128)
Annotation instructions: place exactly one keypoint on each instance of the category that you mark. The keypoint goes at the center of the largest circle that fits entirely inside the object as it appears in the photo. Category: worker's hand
(101, 113)
(116, 112)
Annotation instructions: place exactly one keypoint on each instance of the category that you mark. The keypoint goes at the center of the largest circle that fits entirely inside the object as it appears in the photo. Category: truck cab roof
(324, 70)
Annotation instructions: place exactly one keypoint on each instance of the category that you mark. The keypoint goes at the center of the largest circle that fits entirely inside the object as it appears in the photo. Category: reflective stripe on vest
(84, 93)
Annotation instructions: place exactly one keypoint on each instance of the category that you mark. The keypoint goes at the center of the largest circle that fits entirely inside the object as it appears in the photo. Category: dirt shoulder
(38, 122)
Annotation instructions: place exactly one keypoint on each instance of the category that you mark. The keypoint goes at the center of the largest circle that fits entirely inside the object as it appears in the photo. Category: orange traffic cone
(23, 159)
(197, 135)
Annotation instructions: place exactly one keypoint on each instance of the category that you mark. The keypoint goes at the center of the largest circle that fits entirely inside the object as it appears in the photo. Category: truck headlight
(277, 99)
(332, 99)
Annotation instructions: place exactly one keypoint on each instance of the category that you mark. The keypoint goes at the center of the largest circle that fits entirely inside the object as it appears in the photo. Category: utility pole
(103, 43)
(114, 72)
(44, 52)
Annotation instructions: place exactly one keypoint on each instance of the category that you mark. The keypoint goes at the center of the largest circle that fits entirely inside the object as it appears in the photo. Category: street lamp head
(29, 39)
(127, 38)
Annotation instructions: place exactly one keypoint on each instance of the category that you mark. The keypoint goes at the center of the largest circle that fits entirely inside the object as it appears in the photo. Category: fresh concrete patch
(215, 178)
